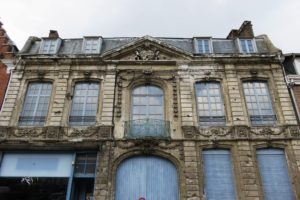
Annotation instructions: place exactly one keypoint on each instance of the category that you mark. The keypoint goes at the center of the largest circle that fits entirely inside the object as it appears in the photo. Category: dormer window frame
(52, 41)
(253, 42)
(99, 45)
(202, 39)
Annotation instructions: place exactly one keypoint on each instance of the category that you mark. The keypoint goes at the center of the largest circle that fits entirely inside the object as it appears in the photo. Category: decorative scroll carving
(26, 133)
(92, 132)
(175, 98)
(240, 132)
(119, 98)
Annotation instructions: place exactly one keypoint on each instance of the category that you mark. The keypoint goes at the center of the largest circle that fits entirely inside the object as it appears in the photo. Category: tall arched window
(147, 103)
(147, 113)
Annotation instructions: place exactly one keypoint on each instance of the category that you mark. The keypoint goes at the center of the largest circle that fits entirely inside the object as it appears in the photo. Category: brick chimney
(53, 34)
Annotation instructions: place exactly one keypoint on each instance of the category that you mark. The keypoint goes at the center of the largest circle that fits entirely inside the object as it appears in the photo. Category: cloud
(168, 18)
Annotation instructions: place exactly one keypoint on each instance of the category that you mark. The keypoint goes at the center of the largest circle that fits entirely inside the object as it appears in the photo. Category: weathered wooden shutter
(274, 174)
(150, 177)
(218, 177)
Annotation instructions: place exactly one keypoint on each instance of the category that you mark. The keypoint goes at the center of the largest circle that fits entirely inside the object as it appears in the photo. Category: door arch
(148, 177)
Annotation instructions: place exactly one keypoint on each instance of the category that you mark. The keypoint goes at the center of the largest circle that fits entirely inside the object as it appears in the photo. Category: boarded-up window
(218, 175)
(274, 174)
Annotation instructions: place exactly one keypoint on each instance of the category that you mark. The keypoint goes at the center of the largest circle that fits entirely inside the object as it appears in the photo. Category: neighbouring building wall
(7, 53)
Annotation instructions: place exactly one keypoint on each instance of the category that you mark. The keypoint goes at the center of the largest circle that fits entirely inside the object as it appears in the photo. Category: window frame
(72, 101)
(196, 45)
(24, 96)
(270, 97)
(223, 107)
(252, 40)
(99, 45)
(56, 48)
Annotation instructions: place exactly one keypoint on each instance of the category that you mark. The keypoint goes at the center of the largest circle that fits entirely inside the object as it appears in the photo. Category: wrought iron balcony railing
(144, 128)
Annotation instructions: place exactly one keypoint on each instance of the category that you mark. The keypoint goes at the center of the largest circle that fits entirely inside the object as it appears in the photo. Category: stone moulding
(55, 133)
(241, 132)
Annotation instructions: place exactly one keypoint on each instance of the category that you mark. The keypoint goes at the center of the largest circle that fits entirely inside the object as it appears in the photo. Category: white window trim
(57, 45)
(211, 50)
(99, 44)
(253, 44)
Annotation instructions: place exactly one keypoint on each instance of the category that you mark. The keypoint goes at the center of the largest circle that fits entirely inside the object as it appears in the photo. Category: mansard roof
(220, 45)
(184, 46)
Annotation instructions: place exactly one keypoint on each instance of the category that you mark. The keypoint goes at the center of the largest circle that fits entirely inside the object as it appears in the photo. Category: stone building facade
(8, 51)
(150, 118)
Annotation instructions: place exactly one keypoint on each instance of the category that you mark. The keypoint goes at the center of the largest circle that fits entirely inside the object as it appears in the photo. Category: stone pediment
(147, 49)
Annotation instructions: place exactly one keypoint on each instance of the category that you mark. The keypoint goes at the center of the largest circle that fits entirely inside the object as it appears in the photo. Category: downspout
(291, 93)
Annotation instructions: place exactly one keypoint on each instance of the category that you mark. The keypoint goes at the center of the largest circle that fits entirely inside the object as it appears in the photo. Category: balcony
(147, 128)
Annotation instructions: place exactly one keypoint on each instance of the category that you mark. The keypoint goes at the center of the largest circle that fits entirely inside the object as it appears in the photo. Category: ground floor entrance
(146, 178)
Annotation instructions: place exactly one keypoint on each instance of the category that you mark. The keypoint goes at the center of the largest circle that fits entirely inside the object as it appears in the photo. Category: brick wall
(6, 52)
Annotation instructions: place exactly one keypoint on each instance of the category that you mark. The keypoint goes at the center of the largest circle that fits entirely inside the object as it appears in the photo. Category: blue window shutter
(150, 177)
(218, 175)
(274, 174)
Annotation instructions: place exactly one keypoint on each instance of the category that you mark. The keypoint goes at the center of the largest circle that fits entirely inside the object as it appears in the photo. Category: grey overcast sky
(279, 19)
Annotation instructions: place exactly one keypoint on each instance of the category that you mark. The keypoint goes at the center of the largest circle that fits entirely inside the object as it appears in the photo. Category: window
(258, 102)
(85, 104)
(49, 46)
(91, 45)
(203, 46)
(85, 164)
(147, 115)
(218, 175)
(36, 104)
(274, 174)
(210, 104)
(247, 46)
(147, 103)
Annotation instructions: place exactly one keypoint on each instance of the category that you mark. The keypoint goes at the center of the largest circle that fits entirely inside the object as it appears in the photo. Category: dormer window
(92, 45)
(203, 45)
(50, 46)
(247, 46)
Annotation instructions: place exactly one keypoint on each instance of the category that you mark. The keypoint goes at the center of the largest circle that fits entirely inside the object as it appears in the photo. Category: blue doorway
(146, 178)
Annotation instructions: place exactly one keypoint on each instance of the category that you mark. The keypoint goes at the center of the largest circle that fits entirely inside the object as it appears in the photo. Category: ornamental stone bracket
(241, 132)
(56, 133)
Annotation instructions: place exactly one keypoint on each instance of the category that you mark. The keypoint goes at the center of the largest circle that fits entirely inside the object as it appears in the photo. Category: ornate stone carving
(53, 132)
(26, 133)
(242, 132)
(208, 132)
(189, 132)
(119, 98)
(105, 132)
(294, 131)
(147, 53)
(3, 132)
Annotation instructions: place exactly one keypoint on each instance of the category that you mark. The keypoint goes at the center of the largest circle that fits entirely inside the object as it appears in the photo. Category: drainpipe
(290, 90)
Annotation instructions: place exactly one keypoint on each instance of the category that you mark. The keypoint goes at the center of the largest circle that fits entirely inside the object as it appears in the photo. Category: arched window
(147, 113)
(147, 103)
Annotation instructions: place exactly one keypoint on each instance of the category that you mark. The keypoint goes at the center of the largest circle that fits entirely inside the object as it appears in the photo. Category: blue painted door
(148, 177)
